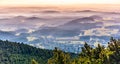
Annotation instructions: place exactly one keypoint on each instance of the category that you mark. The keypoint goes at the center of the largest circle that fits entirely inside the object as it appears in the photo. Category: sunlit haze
(55, 2)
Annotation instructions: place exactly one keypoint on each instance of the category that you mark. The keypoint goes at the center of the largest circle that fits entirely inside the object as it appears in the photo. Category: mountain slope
(19, 53)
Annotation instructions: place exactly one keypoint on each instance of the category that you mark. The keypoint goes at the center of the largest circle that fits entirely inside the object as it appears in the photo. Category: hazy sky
(54, 2)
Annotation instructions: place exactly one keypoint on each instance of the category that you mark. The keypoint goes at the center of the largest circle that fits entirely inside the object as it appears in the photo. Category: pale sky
(54, 2)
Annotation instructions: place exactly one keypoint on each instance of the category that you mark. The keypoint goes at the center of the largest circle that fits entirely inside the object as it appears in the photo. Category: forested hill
(19, 53)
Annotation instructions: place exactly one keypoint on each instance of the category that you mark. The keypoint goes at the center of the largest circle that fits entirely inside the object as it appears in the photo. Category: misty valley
(52, 36)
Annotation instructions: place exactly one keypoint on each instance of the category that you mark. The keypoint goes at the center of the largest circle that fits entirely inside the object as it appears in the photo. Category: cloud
(30, 30)
(76, 42)
(107, 18)
(5, 28)
(39, 45)
(39, 24)
(50, 36)
(101, 32)
(31, 38)
(113, 27)
(106, 24)
(17, 34)
(96, 44)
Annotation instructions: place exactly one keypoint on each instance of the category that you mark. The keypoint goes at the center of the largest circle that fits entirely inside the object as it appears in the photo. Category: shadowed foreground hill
(19, 53)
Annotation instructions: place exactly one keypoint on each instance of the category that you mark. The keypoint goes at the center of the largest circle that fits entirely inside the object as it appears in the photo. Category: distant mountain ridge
(94, 11)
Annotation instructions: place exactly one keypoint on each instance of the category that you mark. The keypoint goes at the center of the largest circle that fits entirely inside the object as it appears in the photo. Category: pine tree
(59, 57)
(34, 62)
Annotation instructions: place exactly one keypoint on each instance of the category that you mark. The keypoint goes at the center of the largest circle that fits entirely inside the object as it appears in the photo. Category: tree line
(19, 53)
(90, 55)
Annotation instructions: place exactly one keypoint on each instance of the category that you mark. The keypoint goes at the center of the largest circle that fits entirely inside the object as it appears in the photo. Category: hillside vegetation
(90, 55)
(19, 53)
